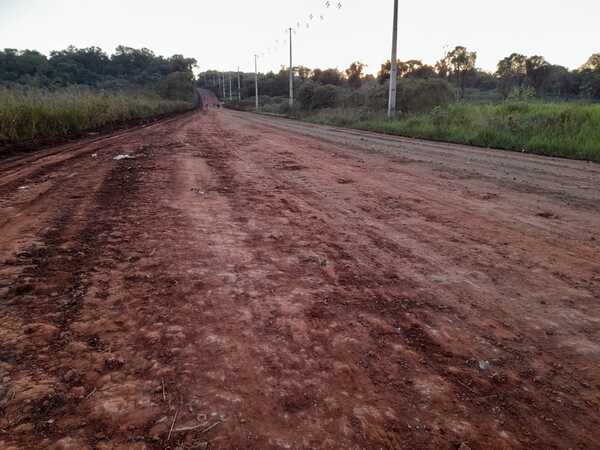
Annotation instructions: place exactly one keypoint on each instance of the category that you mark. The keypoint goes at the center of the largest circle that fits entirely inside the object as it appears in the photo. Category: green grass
(34, 114)
(569, 130)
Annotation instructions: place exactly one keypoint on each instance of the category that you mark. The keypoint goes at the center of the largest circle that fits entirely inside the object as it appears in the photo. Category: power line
(220, 80)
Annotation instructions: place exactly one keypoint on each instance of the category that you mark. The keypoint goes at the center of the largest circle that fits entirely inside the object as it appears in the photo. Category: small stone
(499, 378)
(464, 446)
(114, 363)
(70, 376)
(69, 443)
(78, 392)
(23, 428)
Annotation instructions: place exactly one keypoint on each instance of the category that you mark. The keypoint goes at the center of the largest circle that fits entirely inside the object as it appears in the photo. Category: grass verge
(568, 130)
(35, 114)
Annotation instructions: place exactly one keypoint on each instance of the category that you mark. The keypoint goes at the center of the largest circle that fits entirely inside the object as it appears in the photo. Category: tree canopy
(88, 66)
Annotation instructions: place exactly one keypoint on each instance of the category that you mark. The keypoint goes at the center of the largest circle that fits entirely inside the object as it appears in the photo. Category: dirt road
(242, 282)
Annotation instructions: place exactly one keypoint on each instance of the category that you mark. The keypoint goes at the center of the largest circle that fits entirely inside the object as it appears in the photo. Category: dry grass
(32, 114)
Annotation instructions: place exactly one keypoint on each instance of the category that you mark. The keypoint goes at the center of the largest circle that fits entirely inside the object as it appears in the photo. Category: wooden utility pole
(256, 80)
(291, 74)
(393, 65)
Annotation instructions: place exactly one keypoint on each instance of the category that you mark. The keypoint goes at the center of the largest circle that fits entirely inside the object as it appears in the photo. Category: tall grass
(569, 130)
(33, 114)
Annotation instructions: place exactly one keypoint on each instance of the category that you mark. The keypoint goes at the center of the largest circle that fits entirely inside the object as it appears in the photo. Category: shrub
(305, 95)
(313, 96)
(423, 95)
(324, 97)
(413, 95)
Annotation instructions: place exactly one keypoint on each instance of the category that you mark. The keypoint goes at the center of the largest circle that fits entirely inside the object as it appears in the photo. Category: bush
(313, 96)
(413, 95)
(324, 97)
(423, 95)
(305, 95)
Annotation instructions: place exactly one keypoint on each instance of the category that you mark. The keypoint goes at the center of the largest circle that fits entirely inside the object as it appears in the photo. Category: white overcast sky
(224, 34)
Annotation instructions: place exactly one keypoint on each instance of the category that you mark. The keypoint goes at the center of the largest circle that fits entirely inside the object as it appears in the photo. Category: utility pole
(239, 86)
(256, 80)
(224, 93)
(394, 65)
(230, 95)
(291, 74)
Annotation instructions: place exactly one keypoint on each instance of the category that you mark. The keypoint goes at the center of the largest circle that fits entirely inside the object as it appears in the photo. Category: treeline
(517, 76)
(74, 90)
(89, 67)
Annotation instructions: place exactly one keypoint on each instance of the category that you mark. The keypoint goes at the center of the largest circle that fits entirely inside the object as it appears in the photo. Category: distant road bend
(236, 281)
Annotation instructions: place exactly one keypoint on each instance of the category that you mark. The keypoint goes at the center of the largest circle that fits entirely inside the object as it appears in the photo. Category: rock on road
(244, 282)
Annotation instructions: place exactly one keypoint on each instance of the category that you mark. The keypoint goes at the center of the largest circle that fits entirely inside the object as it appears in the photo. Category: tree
(589, 83)
(412, 68)
(537, 70)
(89, 66)
(560, 82)
(355, 74)
(303, 72)
(421, 71)
(78, 65)
(327, 76)
(15, 65)
(461, 61)
(177, 86)
(405, 68)
(593, 63)
(179, 63)
(511, 72)
(384, 72)
(138, 65)
(442, 68)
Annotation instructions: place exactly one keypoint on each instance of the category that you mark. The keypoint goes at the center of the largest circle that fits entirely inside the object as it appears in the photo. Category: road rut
(242, 282)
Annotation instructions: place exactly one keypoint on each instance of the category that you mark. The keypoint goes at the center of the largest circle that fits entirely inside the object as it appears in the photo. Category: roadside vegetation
(527, 104)
(77, 90)
(568, 130)
(32, 114)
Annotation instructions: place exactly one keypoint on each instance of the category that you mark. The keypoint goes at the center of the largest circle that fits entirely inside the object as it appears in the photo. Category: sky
(223, 35)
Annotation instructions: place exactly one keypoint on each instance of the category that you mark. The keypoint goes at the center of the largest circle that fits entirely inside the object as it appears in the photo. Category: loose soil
(243, 282)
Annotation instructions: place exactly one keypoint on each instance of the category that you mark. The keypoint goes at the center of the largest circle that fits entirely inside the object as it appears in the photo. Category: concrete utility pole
(230, 94)
(239, 86)
(256, 80)
(291, 74)
(394, 65)
(224, 93)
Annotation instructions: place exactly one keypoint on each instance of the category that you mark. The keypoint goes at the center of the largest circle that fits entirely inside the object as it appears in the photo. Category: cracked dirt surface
(242, 282)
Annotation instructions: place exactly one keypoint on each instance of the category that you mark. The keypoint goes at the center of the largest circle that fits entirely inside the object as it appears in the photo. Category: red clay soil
(240, 282)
